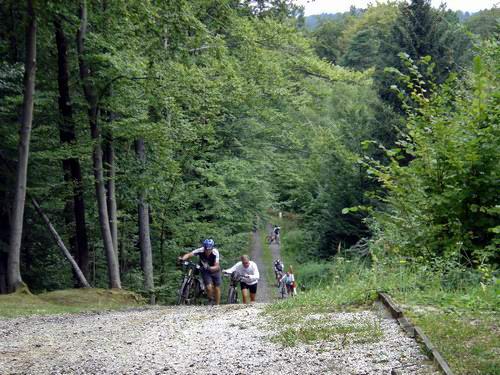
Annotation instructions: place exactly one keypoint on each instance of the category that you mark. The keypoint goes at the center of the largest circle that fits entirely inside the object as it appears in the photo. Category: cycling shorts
(251, 288)
(213, 278)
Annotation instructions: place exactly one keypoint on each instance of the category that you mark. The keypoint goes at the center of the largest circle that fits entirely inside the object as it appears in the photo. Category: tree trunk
(93, 114)
(109, 160)
(162, 261)
(3, 272)
(71, 166)
(14, 279)
(4, 232)
(81, 278)
(144, 236)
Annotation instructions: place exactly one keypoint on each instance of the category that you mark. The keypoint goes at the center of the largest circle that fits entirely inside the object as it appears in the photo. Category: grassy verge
(455, 309)
(324, 329)
(66, 301)
(470, 341)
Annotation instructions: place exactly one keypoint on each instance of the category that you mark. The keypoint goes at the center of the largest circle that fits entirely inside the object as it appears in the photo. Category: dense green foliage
(378, 130)
(444, 202)
(213, 89)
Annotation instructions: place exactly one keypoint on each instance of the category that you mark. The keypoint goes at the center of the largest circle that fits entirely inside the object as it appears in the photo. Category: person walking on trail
(278, 270)
(210, 268)
(276, 234)
(250, 277)
(289, 280)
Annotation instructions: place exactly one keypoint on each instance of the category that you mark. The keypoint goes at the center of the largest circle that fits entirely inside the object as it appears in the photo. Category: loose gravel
(232, 339)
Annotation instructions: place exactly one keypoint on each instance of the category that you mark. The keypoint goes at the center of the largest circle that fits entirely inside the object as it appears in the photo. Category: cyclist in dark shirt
(278, 269)
(276, 234)
(210, 268)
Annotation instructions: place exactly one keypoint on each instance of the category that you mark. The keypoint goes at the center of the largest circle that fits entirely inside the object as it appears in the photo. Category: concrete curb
(415, 332)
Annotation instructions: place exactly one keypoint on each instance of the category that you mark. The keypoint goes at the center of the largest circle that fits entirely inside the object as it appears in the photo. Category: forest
(131, 130)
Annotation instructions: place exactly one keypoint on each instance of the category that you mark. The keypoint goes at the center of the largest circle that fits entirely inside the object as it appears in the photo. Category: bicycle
(274, 237)
(192, 289)
(232, 294)
(282, 290)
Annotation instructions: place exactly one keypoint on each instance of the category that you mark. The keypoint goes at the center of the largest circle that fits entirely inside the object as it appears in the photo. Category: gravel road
(231, 339)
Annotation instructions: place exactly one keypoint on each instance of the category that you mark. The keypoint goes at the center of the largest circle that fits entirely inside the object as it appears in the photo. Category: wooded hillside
(141, 127)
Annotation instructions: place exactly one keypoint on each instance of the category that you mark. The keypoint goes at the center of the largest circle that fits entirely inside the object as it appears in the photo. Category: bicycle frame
(232, 294)
(191, 288)
(283, 293)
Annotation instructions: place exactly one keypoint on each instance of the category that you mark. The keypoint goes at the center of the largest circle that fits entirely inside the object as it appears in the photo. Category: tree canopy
(158, 124)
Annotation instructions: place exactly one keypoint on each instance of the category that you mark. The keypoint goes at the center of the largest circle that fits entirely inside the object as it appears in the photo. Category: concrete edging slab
(415, 332)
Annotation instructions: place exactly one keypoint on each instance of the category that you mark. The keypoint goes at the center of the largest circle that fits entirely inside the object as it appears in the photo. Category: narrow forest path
(265, 292)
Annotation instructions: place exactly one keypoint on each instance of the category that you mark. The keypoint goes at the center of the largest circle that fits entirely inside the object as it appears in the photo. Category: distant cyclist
(250, 277)
(210, 271)
(278, 269)
(276, 234)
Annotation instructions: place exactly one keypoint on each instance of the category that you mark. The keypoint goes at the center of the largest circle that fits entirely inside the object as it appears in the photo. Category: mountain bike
(282, 291)
(192, 289)
(232, 293)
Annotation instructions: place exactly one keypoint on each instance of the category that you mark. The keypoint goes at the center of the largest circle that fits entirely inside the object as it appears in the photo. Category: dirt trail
(264, 290)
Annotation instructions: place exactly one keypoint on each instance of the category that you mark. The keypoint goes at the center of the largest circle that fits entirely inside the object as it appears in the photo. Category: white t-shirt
(250, 274)
(289, 279)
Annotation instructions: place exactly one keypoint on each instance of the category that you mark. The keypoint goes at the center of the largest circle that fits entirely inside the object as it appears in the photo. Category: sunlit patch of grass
(307, 318)
(325, 329)
(66, 301)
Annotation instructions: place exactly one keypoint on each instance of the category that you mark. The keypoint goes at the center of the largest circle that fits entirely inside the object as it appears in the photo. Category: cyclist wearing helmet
(278, 269)
(210, 268)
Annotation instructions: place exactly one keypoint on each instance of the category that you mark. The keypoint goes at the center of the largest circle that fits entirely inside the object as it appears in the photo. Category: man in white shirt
(250, 277)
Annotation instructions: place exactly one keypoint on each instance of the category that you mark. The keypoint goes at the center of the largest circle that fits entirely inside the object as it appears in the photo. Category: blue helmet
(208, 244)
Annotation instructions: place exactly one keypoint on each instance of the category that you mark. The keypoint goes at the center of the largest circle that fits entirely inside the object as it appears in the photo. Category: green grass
(292, 319)
(24, 303)
(470, 341)
(323, 330)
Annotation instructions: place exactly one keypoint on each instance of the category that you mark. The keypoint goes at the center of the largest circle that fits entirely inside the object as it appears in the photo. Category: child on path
(289, 279)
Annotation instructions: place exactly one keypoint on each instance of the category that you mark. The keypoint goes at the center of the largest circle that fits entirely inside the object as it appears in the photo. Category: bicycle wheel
(283, 290)
(196, 293)
(232, 295)
(182, 293)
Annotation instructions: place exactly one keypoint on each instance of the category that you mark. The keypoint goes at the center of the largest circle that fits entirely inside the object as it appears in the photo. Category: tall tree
(110, 168)
(421, 31)
(91, 96)
(71, 166)
(144, 231)
(14, 278)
